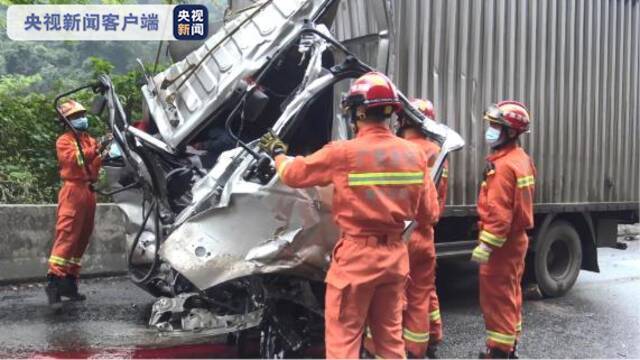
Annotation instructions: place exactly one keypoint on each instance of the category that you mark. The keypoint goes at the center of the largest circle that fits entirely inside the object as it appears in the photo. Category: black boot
(514, 354)
(493, 353)
(53, 292)
(69, 289)
(365, 354)
(431, 351)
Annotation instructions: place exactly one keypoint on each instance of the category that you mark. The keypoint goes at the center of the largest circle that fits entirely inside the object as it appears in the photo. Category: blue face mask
(80, 123)
(492, 135)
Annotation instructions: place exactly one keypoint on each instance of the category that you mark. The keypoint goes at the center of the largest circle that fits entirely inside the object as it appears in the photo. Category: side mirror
(98, 105)
(254, 105)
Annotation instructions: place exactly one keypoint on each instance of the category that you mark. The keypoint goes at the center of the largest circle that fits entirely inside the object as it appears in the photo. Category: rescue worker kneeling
(76, 205)
(505, 208)
(379, 183)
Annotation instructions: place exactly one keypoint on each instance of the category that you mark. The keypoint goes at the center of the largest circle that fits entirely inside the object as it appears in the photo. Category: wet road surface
(598, 318)
(111, 321)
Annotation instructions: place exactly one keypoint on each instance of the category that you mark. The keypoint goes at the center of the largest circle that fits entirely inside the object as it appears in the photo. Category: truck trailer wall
(575, 63)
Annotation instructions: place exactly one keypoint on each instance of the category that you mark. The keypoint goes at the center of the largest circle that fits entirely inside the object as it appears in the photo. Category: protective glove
(481, 253)
(104, 153)
(272, 144)
(105, 140)
(103, 144)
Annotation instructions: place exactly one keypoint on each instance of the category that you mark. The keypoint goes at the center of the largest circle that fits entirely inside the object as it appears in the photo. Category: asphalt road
(599, 318)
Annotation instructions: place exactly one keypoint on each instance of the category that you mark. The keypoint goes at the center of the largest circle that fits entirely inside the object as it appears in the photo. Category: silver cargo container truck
(575, 63)
(227, 247)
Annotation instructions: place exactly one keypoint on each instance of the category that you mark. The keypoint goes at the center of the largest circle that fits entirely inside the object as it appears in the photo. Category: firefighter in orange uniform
(505, 208)
(379, 183)
(422, 325)
(421, 318)
(76, 205)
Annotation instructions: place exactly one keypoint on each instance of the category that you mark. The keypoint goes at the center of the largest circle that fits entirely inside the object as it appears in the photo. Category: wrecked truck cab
(210, 227)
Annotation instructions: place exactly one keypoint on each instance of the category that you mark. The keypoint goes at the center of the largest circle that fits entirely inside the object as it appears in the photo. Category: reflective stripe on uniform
(445, 173)
(283, 166)
(481, 254)
(75, 261)
(501, 338)
(416, 337)
(434, 315)
(526, 181)
(79, 158)
(58, 260)
(491, 172)
(386, 178)
(519, 327)
(492, 239)
(483, 184)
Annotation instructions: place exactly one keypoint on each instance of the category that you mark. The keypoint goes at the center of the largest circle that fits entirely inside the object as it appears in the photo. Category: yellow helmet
(71, 107)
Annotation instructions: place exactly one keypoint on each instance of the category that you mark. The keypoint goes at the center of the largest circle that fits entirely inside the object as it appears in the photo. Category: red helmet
(373, 90)
(510, 113)
(425, 106)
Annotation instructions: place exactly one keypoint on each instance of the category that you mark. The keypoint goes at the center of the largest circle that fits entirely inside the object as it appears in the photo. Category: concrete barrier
(26, 237)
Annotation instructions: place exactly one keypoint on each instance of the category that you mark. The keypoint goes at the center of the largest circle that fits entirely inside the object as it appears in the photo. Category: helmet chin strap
(353, 117)
(357, 116)
(504, 139)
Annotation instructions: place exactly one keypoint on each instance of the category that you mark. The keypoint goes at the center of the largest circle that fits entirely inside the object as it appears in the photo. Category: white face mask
(492, 135)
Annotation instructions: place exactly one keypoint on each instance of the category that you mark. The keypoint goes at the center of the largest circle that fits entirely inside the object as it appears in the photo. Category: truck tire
(558, 259)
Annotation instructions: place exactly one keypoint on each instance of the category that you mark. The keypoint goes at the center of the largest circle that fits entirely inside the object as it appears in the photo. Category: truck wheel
(558, 259)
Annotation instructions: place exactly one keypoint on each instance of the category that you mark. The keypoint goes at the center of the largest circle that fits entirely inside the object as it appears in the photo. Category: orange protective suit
(76, 202)
(422, 324)
(435, 320)
(379, 183)
(421, 317)
(505, 208)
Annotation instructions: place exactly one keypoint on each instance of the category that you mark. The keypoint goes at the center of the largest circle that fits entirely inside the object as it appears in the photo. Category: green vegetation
(32, 74)
(30, 78)
(28, 167)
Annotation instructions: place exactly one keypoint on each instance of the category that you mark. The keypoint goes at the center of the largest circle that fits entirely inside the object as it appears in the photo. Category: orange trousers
(435, 320)
(421, 288)
(74, 225)
(421, 320)
(501, 292)
(365, 284)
